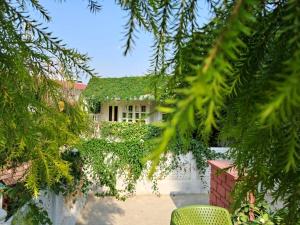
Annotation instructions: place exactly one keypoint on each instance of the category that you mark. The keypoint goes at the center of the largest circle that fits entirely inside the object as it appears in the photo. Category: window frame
(134, 113)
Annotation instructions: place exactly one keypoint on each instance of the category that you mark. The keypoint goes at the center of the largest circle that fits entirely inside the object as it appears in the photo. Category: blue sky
(101, 36)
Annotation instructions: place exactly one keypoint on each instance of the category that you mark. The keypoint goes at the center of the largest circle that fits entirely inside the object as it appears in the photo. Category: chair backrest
(200, 215)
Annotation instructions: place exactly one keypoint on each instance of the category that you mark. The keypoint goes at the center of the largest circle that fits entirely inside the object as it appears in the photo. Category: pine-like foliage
(239, 73)
(34, 123)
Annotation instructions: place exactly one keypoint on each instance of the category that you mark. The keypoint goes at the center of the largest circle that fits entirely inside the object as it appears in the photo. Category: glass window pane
(137, 115)
(143, 108)
(130, 108)
(130, 115)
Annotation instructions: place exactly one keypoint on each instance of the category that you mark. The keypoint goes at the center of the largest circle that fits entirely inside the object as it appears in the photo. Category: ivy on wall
(123, 88)
(118, 153)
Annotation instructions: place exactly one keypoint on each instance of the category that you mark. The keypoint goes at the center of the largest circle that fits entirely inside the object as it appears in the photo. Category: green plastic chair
(200, 215)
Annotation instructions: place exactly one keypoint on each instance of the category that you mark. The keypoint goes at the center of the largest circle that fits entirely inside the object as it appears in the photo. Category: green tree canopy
(37, 121)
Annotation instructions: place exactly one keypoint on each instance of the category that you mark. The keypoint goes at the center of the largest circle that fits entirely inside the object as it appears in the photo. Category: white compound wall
(183, 180)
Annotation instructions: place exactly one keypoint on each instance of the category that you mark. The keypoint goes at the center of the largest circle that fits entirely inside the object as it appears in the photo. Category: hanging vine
(118, 155)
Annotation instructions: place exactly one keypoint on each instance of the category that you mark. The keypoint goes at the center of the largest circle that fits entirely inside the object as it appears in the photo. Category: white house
(126, 99)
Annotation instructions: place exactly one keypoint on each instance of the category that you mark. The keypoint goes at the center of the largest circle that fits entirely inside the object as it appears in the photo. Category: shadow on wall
(100, 211)
(181, 200)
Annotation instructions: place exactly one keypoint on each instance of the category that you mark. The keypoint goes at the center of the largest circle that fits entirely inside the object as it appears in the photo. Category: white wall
(183, 180)
(61, 211)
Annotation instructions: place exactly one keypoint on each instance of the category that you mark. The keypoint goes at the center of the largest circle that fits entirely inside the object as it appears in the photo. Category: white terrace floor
(138, 210)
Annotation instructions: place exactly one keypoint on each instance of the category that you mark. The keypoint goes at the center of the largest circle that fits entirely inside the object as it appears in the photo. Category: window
(127, 114)
(134, 113)
(137, 115)
(143, 113)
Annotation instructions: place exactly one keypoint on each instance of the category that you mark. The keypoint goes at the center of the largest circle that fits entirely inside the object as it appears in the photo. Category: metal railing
(95, 118)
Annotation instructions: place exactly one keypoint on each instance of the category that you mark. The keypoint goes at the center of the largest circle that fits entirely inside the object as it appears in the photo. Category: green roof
(124, 88)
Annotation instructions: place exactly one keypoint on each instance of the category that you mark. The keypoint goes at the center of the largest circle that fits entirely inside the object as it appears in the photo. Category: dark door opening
(116, 113)
(110, 113)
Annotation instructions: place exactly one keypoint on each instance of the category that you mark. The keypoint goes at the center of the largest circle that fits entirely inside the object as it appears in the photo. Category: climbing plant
(124, 88)
(117, 156)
